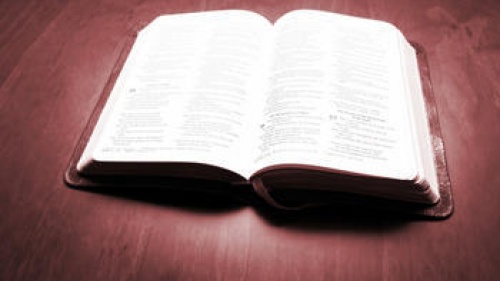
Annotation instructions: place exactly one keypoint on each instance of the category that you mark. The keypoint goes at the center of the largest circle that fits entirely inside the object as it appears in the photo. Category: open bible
(316, 103)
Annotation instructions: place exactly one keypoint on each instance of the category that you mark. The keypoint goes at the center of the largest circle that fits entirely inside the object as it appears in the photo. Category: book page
(186, 92)
(337, 97)
(422, 136)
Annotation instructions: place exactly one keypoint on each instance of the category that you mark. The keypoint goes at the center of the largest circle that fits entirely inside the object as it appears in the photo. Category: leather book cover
(441, 210)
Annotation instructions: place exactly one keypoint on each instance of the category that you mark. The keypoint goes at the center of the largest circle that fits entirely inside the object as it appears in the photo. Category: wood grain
(55, 58)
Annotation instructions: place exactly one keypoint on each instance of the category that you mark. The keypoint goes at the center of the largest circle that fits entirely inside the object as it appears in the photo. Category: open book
(316, 102)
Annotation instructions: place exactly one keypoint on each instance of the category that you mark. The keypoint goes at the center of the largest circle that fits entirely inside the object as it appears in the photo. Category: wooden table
(55, 58)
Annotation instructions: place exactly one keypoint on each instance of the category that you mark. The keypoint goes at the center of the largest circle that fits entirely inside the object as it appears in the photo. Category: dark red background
(55, 58)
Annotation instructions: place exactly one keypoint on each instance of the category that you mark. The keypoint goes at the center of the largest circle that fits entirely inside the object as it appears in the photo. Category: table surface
(55, 58)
